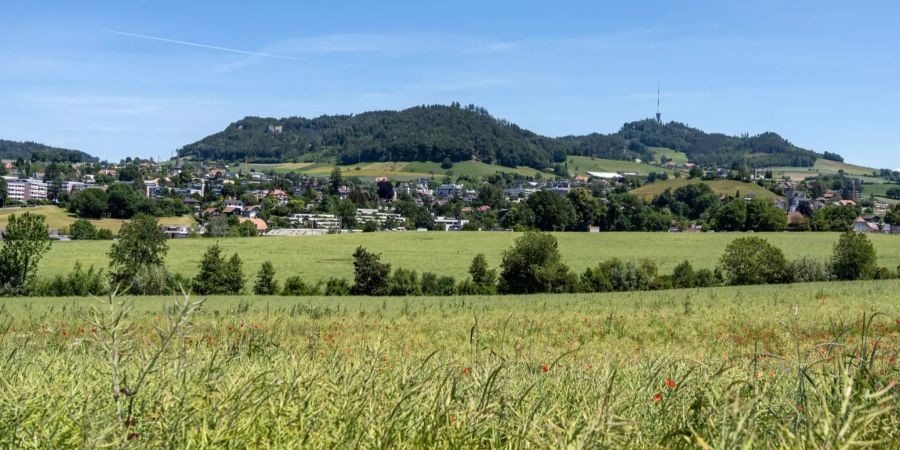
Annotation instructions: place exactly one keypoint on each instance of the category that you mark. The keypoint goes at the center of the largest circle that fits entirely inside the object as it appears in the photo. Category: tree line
(532, 265)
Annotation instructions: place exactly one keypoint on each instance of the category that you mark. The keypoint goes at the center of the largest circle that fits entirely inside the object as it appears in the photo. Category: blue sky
(146, 77)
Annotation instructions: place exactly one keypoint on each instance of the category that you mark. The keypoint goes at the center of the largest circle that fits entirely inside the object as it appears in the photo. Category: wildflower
(93, 330)
(65, 333)
(81, 330)
(546, 368)
(671, 383)
(657, 397)
(466, 371)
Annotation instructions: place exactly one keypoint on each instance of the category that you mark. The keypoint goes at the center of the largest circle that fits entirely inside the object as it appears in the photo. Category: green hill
(721, 187)
(435, 133)
(39, 152)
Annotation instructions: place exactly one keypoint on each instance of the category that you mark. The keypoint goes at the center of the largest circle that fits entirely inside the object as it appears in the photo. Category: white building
(448, 190)
(22, 190)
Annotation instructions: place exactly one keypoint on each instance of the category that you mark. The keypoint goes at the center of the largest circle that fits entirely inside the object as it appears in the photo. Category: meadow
(58, 218)
(801, 366)
(721, 187)
(320, 257)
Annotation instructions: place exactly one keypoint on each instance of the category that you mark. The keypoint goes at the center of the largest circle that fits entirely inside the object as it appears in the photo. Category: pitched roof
(260, 224)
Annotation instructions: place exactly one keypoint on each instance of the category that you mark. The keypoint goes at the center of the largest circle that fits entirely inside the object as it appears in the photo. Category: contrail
(199, 45)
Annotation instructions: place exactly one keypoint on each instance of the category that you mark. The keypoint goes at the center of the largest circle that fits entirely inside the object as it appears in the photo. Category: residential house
(261, 225)
(279, 195)
(861, 226)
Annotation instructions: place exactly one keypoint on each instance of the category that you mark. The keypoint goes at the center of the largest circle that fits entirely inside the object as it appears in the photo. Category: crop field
(58, 218)
(802, 366)
(450, 253)
(580, 165)
(721, 187)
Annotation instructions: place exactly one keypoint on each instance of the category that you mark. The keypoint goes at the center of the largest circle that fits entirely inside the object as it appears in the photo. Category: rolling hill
(721, 187)
(438, 132)
(39, 152)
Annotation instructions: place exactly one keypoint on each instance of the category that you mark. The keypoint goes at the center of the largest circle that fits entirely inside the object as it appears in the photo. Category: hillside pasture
(581, 165)
(802, 366)
(721, 187)
(315, 258)
(673, 155)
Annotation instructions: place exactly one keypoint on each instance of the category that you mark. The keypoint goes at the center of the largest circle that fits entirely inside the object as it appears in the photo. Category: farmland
(773, 365)
(580, 165)
(721, 187)
(58, 218)
(319, 257)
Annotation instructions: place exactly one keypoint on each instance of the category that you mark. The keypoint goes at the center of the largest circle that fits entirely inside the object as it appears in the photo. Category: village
(240, 201)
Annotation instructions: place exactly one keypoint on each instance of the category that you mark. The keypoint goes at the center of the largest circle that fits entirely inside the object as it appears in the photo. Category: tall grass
(755, 367)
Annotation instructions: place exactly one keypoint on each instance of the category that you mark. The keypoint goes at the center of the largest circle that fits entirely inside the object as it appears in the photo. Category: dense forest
(32, 151)
(433, 133)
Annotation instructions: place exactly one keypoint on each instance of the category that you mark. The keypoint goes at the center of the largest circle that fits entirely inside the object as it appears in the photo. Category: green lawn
(580, 165)
(721, 187)
(58, 218)
(735, 367)
(319, 257)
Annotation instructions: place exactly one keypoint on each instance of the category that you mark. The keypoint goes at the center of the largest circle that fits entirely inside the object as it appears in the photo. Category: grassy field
(879, 189)
(721, 187)
(827, 166)
(319, 257)
(580, 165)
(58, 218)
(824, 166)
(674, 155)
(761, 367)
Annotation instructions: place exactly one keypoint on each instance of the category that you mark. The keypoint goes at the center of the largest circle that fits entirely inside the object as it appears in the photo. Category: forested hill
(39, 152)
(426, 133)
(433, 133)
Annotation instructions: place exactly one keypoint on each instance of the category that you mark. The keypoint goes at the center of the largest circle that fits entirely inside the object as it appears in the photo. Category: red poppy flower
(466, 371)
(546, 368)
(671, 383)
(657, 397)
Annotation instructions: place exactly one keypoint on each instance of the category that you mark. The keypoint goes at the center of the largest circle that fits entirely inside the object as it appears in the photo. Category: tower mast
(658, 114)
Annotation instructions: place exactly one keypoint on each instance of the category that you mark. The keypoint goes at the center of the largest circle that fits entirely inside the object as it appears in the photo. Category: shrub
(152, 280)
(853, 258)
(78, 283)
(294, 286)
(82, 230)
(371, 276)
(616, 275)
(805, 270)
(533, 266)
(752, 260)
(437, 285)
(265, 280)
(337, 287)
(483, 281)
(405, 282)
